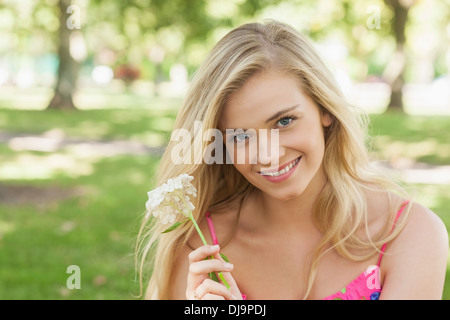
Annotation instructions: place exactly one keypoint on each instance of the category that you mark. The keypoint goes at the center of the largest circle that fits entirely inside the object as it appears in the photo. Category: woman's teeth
(282, 171)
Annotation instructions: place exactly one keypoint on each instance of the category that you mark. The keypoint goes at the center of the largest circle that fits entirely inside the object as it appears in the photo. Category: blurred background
(89, 91)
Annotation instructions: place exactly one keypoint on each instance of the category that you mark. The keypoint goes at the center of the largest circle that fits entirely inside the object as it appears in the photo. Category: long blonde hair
(340, 211)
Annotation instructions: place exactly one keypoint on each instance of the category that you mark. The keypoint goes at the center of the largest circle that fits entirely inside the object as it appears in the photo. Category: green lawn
(420, 138)
(74, 207)
(94, 230)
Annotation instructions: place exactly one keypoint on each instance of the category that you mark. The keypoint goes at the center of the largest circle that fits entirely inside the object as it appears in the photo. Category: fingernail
(228, 266)
(215, 247)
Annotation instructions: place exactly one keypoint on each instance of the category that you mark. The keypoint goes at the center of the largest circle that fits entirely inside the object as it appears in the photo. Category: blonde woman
(322, 223)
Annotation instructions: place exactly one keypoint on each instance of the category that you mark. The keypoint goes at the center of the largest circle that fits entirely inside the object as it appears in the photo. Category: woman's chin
(283, 196)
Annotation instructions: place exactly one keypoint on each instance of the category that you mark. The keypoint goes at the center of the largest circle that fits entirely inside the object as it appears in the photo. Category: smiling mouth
(285, 169)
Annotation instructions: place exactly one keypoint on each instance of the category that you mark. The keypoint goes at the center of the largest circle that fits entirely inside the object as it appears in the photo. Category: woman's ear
(326, 119)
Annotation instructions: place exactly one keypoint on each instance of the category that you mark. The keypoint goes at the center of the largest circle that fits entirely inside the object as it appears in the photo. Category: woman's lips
(283, 173)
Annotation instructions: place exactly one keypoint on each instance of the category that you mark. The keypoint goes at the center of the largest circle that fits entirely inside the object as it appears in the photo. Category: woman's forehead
(261, 98)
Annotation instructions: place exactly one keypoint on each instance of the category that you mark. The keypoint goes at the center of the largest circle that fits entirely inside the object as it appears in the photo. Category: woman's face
(274, 100)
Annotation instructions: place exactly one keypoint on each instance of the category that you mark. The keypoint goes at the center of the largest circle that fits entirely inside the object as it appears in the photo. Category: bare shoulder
(423, 224)
(415, 262)
(433, 228)
(424, 230)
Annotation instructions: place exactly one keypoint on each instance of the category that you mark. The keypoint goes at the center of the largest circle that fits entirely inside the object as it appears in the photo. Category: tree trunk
(396, 67)
(68, 67)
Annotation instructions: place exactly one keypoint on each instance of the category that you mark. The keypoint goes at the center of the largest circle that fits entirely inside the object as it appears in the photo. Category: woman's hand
(200, 286)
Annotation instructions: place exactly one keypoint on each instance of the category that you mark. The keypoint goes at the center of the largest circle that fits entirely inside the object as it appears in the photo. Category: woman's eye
(284, 121)
(241, 137)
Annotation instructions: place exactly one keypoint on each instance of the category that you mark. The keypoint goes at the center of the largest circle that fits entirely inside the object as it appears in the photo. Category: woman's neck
(296, 212)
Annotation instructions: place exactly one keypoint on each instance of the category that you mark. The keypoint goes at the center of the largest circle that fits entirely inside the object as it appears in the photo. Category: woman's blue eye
(284, 121)
(241, 137)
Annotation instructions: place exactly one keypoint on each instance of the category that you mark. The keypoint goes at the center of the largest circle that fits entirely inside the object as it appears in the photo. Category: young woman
(323, 223)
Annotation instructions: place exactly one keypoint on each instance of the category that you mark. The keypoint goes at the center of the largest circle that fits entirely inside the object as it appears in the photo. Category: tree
(140, 24)
(68, 67)
(128, 27)
(396, 67)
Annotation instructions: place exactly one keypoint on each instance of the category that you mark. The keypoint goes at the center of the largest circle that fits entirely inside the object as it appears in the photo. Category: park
(79, 149)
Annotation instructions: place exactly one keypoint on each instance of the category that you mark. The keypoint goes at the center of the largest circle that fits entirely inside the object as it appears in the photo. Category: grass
(91, 124)
(94, 230)
(83, 209)
(420, 138)
(95, 226)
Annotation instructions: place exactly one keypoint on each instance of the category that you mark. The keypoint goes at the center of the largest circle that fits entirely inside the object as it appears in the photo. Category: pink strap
(393, 226)
(212, 231)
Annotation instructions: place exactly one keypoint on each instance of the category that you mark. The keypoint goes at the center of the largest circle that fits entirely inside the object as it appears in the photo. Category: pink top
(365, 287)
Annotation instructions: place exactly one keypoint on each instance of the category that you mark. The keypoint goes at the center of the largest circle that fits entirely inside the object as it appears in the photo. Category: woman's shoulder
(423, 230)
(420, 223)
(415, 261)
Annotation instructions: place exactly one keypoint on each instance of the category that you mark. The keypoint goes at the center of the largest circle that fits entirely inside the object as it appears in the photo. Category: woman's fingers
(199, 267)
(209, 289)
(207, 266)
(203, 252)
(203, 261)
(234, 289)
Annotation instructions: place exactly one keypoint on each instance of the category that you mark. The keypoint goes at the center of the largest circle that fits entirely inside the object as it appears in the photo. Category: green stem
(191, 217)
(198, 229)
(222, 278)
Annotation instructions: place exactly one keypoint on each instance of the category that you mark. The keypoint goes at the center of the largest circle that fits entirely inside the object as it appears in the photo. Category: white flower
(171, 198)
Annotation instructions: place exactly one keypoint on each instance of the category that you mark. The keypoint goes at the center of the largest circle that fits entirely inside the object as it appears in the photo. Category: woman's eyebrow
(275, 116)
(279, 113)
